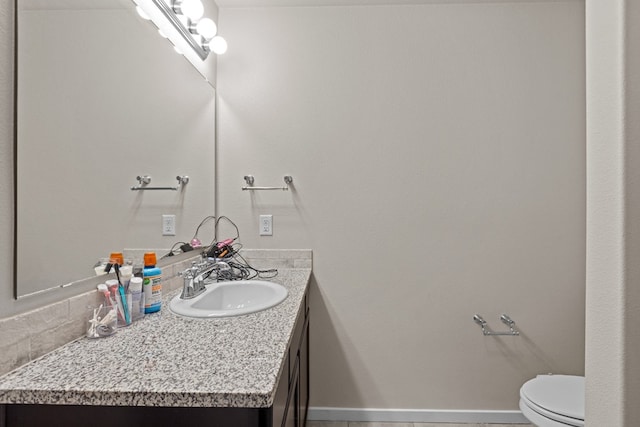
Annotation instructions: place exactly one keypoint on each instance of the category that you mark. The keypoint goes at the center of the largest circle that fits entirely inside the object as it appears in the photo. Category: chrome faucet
(194, 280)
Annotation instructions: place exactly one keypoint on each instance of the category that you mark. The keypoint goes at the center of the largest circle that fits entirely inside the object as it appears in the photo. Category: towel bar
(488, 332)
(249, 179)
(144, 180)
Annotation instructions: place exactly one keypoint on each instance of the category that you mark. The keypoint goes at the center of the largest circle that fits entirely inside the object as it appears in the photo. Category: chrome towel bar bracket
(144, 180)
(488, 332)
(249, 179)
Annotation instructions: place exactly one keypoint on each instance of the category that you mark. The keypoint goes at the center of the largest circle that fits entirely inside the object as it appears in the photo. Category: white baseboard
(415, 415)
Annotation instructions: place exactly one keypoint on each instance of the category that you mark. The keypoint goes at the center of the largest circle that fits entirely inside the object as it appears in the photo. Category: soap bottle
(151, 284)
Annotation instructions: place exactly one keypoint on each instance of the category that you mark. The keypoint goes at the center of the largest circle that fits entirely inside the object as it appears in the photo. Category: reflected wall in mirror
(101, 99)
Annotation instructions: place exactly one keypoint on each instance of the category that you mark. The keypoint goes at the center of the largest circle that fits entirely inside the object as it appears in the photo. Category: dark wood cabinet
(303, 401)
(299, 388)
(289, 407)
(291, 418)
(297, 397)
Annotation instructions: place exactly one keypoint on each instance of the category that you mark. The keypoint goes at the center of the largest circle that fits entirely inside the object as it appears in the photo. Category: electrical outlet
(168, 225)
(266, 225)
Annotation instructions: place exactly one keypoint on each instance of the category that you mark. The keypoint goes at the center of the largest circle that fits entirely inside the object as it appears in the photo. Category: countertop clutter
(170, 361)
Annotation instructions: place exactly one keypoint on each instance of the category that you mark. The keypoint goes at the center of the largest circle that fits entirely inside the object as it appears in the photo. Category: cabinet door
(303, 381)
(290, 419)
(294, 347)
(281, 399)
(292, 415)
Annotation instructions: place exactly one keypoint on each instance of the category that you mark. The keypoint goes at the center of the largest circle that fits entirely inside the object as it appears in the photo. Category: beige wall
(438, 159)
(613, 248)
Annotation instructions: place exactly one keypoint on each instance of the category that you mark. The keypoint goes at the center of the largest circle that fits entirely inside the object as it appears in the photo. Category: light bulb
(142, 13)
(184, 20)
(218, 45)
(192, 9)
(206, 28)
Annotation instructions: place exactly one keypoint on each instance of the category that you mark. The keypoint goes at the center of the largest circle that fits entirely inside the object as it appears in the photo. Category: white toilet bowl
(553, 400)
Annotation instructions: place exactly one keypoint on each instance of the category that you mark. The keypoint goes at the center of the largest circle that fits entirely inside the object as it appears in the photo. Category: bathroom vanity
(165, 369)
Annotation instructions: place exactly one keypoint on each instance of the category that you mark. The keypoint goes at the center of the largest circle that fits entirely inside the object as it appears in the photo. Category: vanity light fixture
(187, 24)
(192, 9)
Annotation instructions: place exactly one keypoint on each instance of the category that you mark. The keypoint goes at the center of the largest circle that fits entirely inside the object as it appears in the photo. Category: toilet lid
(555, 395)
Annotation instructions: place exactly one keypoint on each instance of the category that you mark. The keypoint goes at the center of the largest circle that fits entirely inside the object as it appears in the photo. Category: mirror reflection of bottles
(151, 284)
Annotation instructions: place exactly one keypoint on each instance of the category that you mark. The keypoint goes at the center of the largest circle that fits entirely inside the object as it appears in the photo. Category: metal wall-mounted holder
(249, 179)
(488, 332)
(144, 180)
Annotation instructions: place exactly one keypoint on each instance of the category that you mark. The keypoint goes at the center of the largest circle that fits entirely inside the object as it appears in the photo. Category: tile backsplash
(29, 335)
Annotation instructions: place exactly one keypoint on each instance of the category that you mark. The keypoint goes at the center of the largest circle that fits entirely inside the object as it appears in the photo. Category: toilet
(553, 400)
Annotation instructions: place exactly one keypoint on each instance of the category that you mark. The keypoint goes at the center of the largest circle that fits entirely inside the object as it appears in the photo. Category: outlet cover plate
(168, 225)
(266, 225)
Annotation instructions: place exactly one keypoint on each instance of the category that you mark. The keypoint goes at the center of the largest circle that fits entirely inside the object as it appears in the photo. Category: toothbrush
(107, 296)
(123, 297)
(115, 297)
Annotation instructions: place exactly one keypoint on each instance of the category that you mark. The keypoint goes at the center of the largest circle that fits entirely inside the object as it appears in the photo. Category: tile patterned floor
(369, 424)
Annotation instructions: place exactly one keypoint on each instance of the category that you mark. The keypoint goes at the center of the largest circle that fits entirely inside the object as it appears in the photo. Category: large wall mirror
(101, 99)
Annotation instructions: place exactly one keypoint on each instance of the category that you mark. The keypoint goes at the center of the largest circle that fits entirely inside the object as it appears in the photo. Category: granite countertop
(168, 360)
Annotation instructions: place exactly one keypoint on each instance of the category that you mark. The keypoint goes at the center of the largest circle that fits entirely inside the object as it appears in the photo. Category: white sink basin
(225, 299)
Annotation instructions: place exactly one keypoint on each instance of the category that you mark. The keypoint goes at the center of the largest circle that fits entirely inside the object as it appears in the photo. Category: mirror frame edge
(15, 149)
